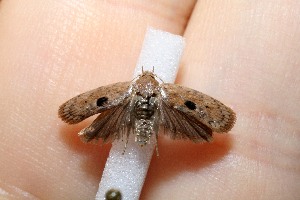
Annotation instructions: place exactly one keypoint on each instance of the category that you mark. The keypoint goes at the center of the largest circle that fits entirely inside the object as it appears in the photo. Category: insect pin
(144, 105)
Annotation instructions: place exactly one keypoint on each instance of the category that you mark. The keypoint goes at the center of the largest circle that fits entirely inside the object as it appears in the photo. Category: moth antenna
(158, 77)
(142, 69)
(138, 76)
(156, 144)
(153, 69)
(161, 80)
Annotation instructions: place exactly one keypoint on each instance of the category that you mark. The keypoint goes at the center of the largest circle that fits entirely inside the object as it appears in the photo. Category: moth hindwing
(142, 106)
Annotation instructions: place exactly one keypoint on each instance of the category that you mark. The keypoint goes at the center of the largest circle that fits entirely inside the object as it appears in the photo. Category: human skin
(243, 53)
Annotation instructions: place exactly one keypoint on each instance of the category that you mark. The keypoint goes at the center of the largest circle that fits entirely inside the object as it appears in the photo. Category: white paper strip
(127, 172)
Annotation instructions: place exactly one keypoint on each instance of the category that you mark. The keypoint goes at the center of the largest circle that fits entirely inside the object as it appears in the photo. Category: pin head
(113, 194)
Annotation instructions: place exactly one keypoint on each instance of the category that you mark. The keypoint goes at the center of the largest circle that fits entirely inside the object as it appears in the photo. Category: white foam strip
(127, 172)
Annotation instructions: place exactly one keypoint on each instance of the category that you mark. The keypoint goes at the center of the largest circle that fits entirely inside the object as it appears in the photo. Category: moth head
(146, 85)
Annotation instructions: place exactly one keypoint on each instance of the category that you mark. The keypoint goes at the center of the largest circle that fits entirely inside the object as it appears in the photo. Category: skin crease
(243, 53)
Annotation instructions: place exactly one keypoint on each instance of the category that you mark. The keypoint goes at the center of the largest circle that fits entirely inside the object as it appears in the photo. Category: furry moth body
(142, 106)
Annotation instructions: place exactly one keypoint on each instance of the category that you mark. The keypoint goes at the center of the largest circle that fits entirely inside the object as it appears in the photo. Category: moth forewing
(205, 109)
(95, 101)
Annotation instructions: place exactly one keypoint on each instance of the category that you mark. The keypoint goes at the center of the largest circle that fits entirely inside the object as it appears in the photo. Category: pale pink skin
(244, 53)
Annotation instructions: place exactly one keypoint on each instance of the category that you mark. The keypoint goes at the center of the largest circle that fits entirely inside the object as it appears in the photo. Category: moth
(144, 105)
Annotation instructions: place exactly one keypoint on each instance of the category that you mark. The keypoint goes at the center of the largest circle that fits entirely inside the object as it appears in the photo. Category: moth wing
(109, 125)
(183, 126)
(204, 113)
(95, 101)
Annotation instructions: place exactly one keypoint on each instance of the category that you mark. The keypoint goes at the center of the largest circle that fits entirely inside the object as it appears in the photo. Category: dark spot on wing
(191, 105)
(101, 101)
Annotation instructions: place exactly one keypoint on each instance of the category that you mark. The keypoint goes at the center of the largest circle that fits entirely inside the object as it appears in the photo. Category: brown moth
(140, 107)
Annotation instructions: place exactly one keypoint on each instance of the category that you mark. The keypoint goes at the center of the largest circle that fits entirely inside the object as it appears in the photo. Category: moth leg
(125, 146)
(127, 139)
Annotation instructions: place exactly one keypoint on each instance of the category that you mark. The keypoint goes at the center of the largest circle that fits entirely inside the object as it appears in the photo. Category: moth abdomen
(143, 131)
(145, 117)
(144, 111)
